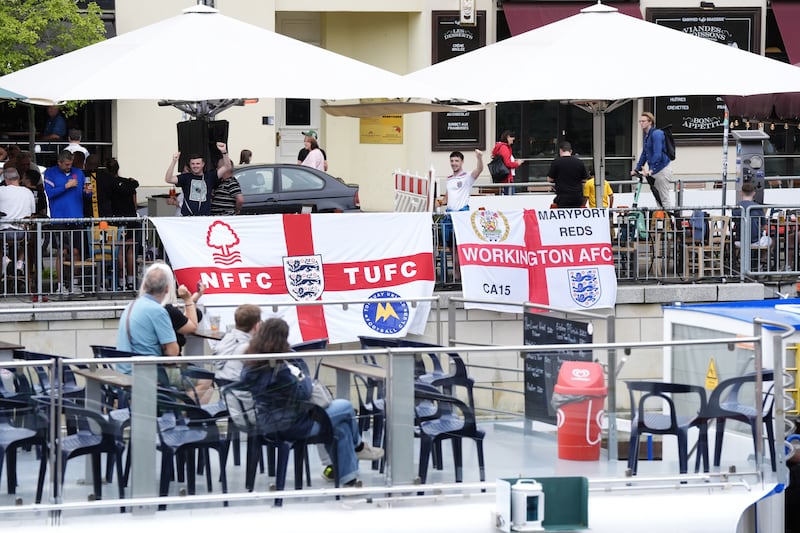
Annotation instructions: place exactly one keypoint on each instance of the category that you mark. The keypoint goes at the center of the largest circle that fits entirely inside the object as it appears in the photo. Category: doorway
(293, 116)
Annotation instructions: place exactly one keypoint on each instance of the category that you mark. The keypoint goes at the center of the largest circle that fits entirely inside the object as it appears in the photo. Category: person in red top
(503, 149)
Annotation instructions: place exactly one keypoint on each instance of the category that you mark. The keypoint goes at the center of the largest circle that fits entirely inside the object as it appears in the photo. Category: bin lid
(581, 377)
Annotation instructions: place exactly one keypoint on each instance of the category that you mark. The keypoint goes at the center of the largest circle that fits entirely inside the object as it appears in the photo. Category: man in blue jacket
(658, 172)
(66, 190)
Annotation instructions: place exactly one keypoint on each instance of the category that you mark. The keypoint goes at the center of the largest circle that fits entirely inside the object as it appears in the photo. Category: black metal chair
(725, 403)
(647, 417)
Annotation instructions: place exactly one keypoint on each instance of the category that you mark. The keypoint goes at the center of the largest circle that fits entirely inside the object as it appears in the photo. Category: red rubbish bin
(581, 392)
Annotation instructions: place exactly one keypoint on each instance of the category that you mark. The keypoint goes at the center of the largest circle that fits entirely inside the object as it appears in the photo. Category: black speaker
(201, 137)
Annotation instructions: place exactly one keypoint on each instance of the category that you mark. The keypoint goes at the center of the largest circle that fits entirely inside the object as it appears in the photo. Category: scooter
(636, 224)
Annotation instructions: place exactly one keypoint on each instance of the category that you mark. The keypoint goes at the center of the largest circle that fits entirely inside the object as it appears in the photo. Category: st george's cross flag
(303, 259)
(559, 258)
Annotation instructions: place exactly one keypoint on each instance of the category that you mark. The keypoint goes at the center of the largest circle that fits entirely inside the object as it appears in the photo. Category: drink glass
(213, 320)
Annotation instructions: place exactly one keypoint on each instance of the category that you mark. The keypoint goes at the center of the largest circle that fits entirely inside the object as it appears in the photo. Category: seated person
(756, 216)
(282, 393)
(247, 318)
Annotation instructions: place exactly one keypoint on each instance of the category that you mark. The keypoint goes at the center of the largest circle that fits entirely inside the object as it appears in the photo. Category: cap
(310, 133)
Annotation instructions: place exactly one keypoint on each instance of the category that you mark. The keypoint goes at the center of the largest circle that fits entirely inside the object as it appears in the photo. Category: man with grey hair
(16, 202)
(145, 327)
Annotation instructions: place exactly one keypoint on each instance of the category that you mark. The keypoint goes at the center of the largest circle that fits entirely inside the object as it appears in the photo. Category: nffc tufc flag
(560, 258)
(269, 259)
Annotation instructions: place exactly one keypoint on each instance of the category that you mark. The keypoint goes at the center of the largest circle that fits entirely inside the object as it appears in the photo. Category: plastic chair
(95, 435)
(184, 429)
(654, 395)
(453, 420)
(724, 404)
(42, 384)
(243, 411)
(14, 413)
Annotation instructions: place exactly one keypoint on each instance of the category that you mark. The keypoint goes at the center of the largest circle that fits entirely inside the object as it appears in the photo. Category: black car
(287, 188)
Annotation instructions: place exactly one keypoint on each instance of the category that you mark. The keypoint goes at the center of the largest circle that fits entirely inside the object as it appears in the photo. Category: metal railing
(109, 255)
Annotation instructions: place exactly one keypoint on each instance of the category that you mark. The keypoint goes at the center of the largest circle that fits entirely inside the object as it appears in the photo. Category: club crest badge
(584, 286)
(303, 275)
(490, 226)
(387, 318)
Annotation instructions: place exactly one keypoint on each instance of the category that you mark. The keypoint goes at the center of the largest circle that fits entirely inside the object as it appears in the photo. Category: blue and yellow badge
(386, 317)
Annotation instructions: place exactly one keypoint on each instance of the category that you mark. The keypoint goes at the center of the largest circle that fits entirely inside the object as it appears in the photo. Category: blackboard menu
(541, 368)
(460, 130)
(700, 117)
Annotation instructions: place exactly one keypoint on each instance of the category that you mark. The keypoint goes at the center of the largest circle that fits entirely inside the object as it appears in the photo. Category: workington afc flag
(560, 258)
(307, 259)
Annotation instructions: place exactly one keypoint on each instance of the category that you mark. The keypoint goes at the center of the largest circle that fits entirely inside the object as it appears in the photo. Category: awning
(526, 17)
(787, 14)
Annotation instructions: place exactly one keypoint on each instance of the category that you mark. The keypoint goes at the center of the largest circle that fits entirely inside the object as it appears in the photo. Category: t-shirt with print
(197, 192)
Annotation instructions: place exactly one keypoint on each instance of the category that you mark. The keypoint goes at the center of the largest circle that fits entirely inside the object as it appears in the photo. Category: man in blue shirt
(145, 327)
(55, 129)
(658, 172)
(66, 190)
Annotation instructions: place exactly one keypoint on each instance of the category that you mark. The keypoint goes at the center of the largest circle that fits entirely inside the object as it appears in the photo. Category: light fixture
(747, 124)
(786, 126)
(761, 126)
(707, 5)
(772, 126)
(736, 123)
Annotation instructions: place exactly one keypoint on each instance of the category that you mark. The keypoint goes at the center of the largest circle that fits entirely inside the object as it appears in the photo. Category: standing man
(568, 173)
(67, 188)
(197, 186)
(658, 172)
(145, 327)
(303, 153)
(458, 189)
(227, 199)
(74, 138)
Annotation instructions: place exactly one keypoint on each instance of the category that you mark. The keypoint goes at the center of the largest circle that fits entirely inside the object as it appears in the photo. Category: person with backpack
(502, 149)
(654, 155)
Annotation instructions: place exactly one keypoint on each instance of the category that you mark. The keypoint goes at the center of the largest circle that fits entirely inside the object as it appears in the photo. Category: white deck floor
(655, 501)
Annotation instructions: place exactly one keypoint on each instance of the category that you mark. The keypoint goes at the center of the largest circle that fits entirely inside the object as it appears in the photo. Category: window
(542, 125)
(295, 180)
(256, 181)
(298, 112)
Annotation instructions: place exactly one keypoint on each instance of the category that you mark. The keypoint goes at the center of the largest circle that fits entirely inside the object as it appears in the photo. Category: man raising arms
(197, 186)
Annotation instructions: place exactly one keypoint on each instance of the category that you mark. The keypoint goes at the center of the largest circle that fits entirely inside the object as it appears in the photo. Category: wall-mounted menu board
(541, 368)
(700, 118)
(460, 130)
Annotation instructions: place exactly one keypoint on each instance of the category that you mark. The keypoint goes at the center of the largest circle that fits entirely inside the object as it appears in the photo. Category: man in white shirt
(74, 137)
(16, 202)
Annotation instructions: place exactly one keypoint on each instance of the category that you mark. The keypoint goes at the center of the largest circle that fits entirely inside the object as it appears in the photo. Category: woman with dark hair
(245, 156)
(503, 149)
(282, 393)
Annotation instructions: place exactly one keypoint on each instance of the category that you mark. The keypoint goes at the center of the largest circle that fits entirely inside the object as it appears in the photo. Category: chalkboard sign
(541, 368)
(699, 118)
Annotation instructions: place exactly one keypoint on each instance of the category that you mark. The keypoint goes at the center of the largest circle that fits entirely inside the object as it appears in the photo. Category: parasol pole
(725, 131)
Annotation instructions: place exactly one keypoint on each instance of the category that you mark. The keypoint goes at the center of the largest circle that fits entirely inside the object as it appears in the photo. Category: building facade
(407, 35)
